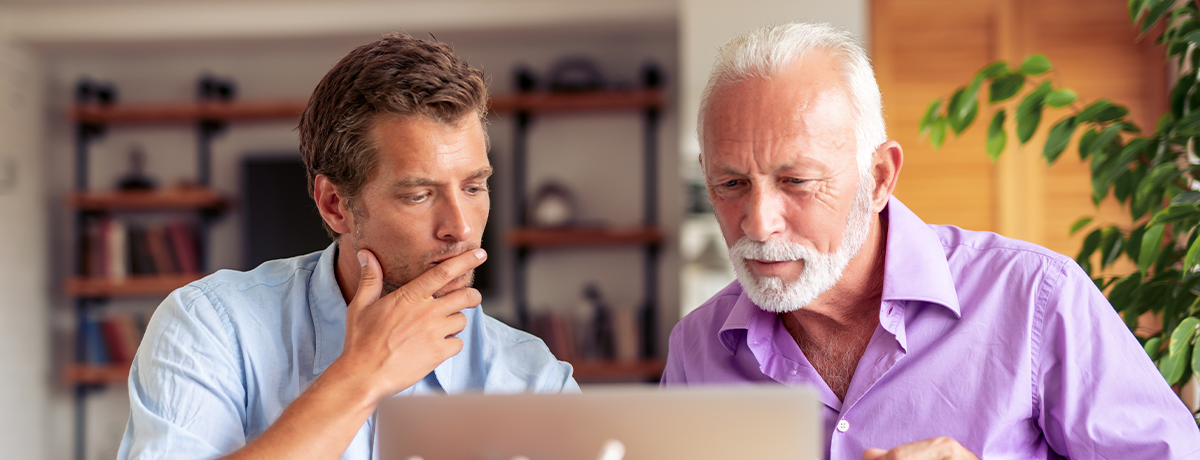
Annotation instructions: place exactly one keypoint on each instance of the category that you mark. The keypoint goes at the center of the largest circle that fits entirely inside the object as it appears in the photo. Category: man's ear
(331, 205)
(885, 170)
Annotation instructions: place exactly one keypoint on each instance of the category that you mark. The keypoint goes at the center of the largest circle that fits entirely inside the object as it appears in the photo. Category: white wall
(24, 281)
(705, 25)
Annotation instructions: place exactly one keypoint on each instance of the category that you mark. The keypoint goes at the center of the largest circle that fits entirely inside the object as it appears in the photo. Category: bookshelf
(94, 112)
(525, 239)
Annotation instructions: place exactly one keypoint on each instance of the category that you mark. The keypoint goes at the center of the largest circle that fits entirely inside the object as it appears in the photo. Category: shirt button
(843, 426)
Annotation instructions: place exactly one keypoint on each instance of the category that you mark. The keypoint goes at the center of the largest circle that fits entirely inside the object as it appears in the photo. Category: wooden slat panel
(924, 49)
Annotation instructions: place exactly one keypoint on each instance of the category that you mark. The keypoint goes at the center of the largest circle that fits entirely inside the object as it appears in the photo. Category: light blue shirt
(225, 355)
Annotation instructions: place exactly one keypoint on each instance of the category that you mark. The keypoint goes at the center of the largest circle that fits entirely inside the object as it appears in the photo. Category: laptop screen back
(695, 424)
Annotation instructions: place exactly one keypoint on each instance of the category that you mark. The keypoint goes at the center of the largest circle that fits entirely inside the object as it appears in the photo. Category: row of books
(112, 336)
(114, 248)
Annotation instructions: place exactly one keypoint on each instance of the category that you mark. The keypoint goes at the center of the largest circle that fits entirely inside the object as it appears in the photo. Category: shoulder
(962, 243)
(710, 315)
(516, 360)
(220, 301)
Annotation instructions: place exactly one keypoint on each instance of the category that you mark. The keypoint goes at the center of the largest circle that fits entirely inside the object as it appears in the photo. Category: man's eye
(417, 198)
(476, 189)
(731, 183)
(793, 180)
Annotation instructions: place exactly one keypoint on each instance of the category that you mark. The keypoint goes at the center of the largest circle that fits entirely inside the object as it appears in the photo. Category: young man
(923, 341)
(289, 360)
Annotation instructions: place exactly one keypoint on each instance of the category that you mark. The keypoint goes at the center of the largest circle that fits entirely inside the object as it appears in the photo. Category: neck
(346, 268)
(833, 331)
(856, 296)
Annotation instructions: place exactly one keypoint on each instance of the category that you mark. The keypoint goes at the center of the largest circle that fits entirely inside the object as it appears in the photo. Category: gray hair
(766, 51)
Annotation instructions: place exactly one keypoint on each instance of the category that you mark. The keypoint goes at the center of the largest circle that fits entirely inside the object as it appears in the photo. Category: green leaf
(1060, 97)
(1035, 65)
(1099, 141)
(1173, 365)
(1191, 259)
(1135, 9)
(930, 114)
(1101, 111)
(1157, 9)
(937, 132)
(962, 110)
(1196, 356)
(1110, 246)
(1151, 247)
(996, 137)
(1005, 86)
(1125, 293)
(1089, 246)
(1133, 245)
(1124, 185)
(1154, 347)
(1029, 112)
(1086, 141)
(1183, 334)
(1079, 224)
(993, 70)
(1188, 126)
(1175, 214)
(1165, 123)
(1186, 198)
(1060, 136)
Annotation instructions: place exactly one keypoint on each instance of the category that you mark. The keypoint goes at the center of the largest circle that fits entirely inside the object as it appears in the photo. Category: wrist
(355, 389)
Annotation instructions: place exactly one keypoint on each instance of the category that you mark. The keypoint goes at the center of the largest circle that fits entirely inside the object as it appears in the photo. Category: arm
(1096, 392)
(391, 343)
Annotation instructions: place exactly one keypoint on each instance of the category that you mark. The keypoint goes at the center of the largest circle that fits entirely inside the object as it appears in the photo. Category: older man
(289, 360)
(923, 341)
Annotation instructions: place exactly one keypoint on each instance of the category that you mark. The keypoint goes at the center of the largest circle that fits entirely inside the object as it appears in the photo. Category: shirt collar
(915, 266)
(329, 321)
(328, 310)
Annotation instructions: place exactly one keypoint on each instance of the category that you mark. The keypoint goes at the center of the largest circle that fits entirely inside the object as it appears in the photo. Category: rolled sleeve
(1097, 393)
(187, 399)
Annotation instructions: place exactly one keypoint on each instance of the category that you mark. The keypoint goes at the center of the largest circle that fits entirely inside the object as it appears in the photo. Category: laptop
(643, 423)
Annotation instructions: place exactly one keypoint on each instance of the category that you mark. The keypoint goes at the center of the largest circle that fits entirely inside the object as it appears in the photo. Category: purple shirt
(1002, 345)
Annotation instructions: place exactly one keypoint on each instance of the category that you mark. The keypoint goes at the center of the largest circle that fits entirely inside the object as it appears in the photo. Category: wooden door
(925, 49)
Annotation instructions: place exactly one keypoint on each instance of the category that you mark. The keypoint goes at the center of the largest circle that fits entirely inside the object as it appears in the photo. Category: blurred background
(145, 143)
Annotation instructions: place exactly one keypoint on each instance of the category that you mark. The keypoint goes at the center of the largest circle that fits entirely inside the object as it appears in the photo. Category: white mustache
(770, 251)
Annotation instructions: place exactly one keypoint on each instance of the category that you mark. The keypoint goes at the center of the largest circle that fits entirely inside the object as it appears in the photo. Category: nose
(764, 216)
(453, 224)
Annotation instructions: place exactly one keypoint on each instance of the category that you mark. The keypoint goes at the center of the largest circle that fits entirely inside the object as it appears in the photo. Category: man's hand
(942, 448)
(395, 341)
(391, 343)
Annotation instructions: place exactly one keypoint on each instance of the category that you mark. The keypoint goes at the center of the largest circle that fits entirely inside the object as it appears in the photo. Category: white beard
(821, 270)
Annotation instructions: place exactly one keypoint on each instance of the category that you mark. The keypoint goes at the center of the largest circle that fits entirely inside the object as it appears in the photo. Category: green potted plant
(1153, 173)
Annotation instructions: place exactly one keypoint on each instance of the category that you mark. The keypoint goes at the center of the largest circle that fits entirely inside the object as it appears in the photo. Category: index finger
(443, 273)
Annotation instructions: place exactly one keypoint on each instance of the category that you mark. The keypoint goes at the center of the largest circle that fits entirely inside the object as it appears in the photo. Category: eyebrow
(481, 173)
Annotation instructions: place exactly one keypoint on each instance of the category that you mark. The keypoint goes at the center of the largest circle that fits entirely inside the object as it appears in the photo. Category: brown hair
(397, 75)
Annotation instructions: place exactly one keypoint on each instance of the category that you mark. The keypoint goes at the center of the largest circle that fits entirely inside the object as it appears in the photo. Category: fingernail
(481, 254)
(362, 259)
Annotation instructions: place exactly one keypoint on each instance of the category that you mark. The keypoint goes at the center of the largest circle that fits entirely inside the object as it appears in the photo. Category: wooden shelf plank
(187, 112)
(175, 198)
(96, 374)
(582, 236)
(618, 371)
(584, 101)
(133, 286)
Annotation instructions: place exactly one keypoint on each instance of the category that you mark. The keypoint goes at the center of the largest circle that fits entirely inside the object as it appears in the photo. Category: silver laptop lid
(757, 422)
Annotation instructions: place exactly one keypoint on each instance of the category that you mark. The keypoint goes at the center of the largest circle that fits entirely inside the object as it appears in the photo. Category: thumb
(874, 454)
(370, 281)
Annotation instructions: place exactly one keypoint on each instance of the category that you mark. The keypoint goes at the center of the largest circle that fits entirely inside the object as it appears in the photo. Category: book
(117, 251)
(156, 242)
(183, 243)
